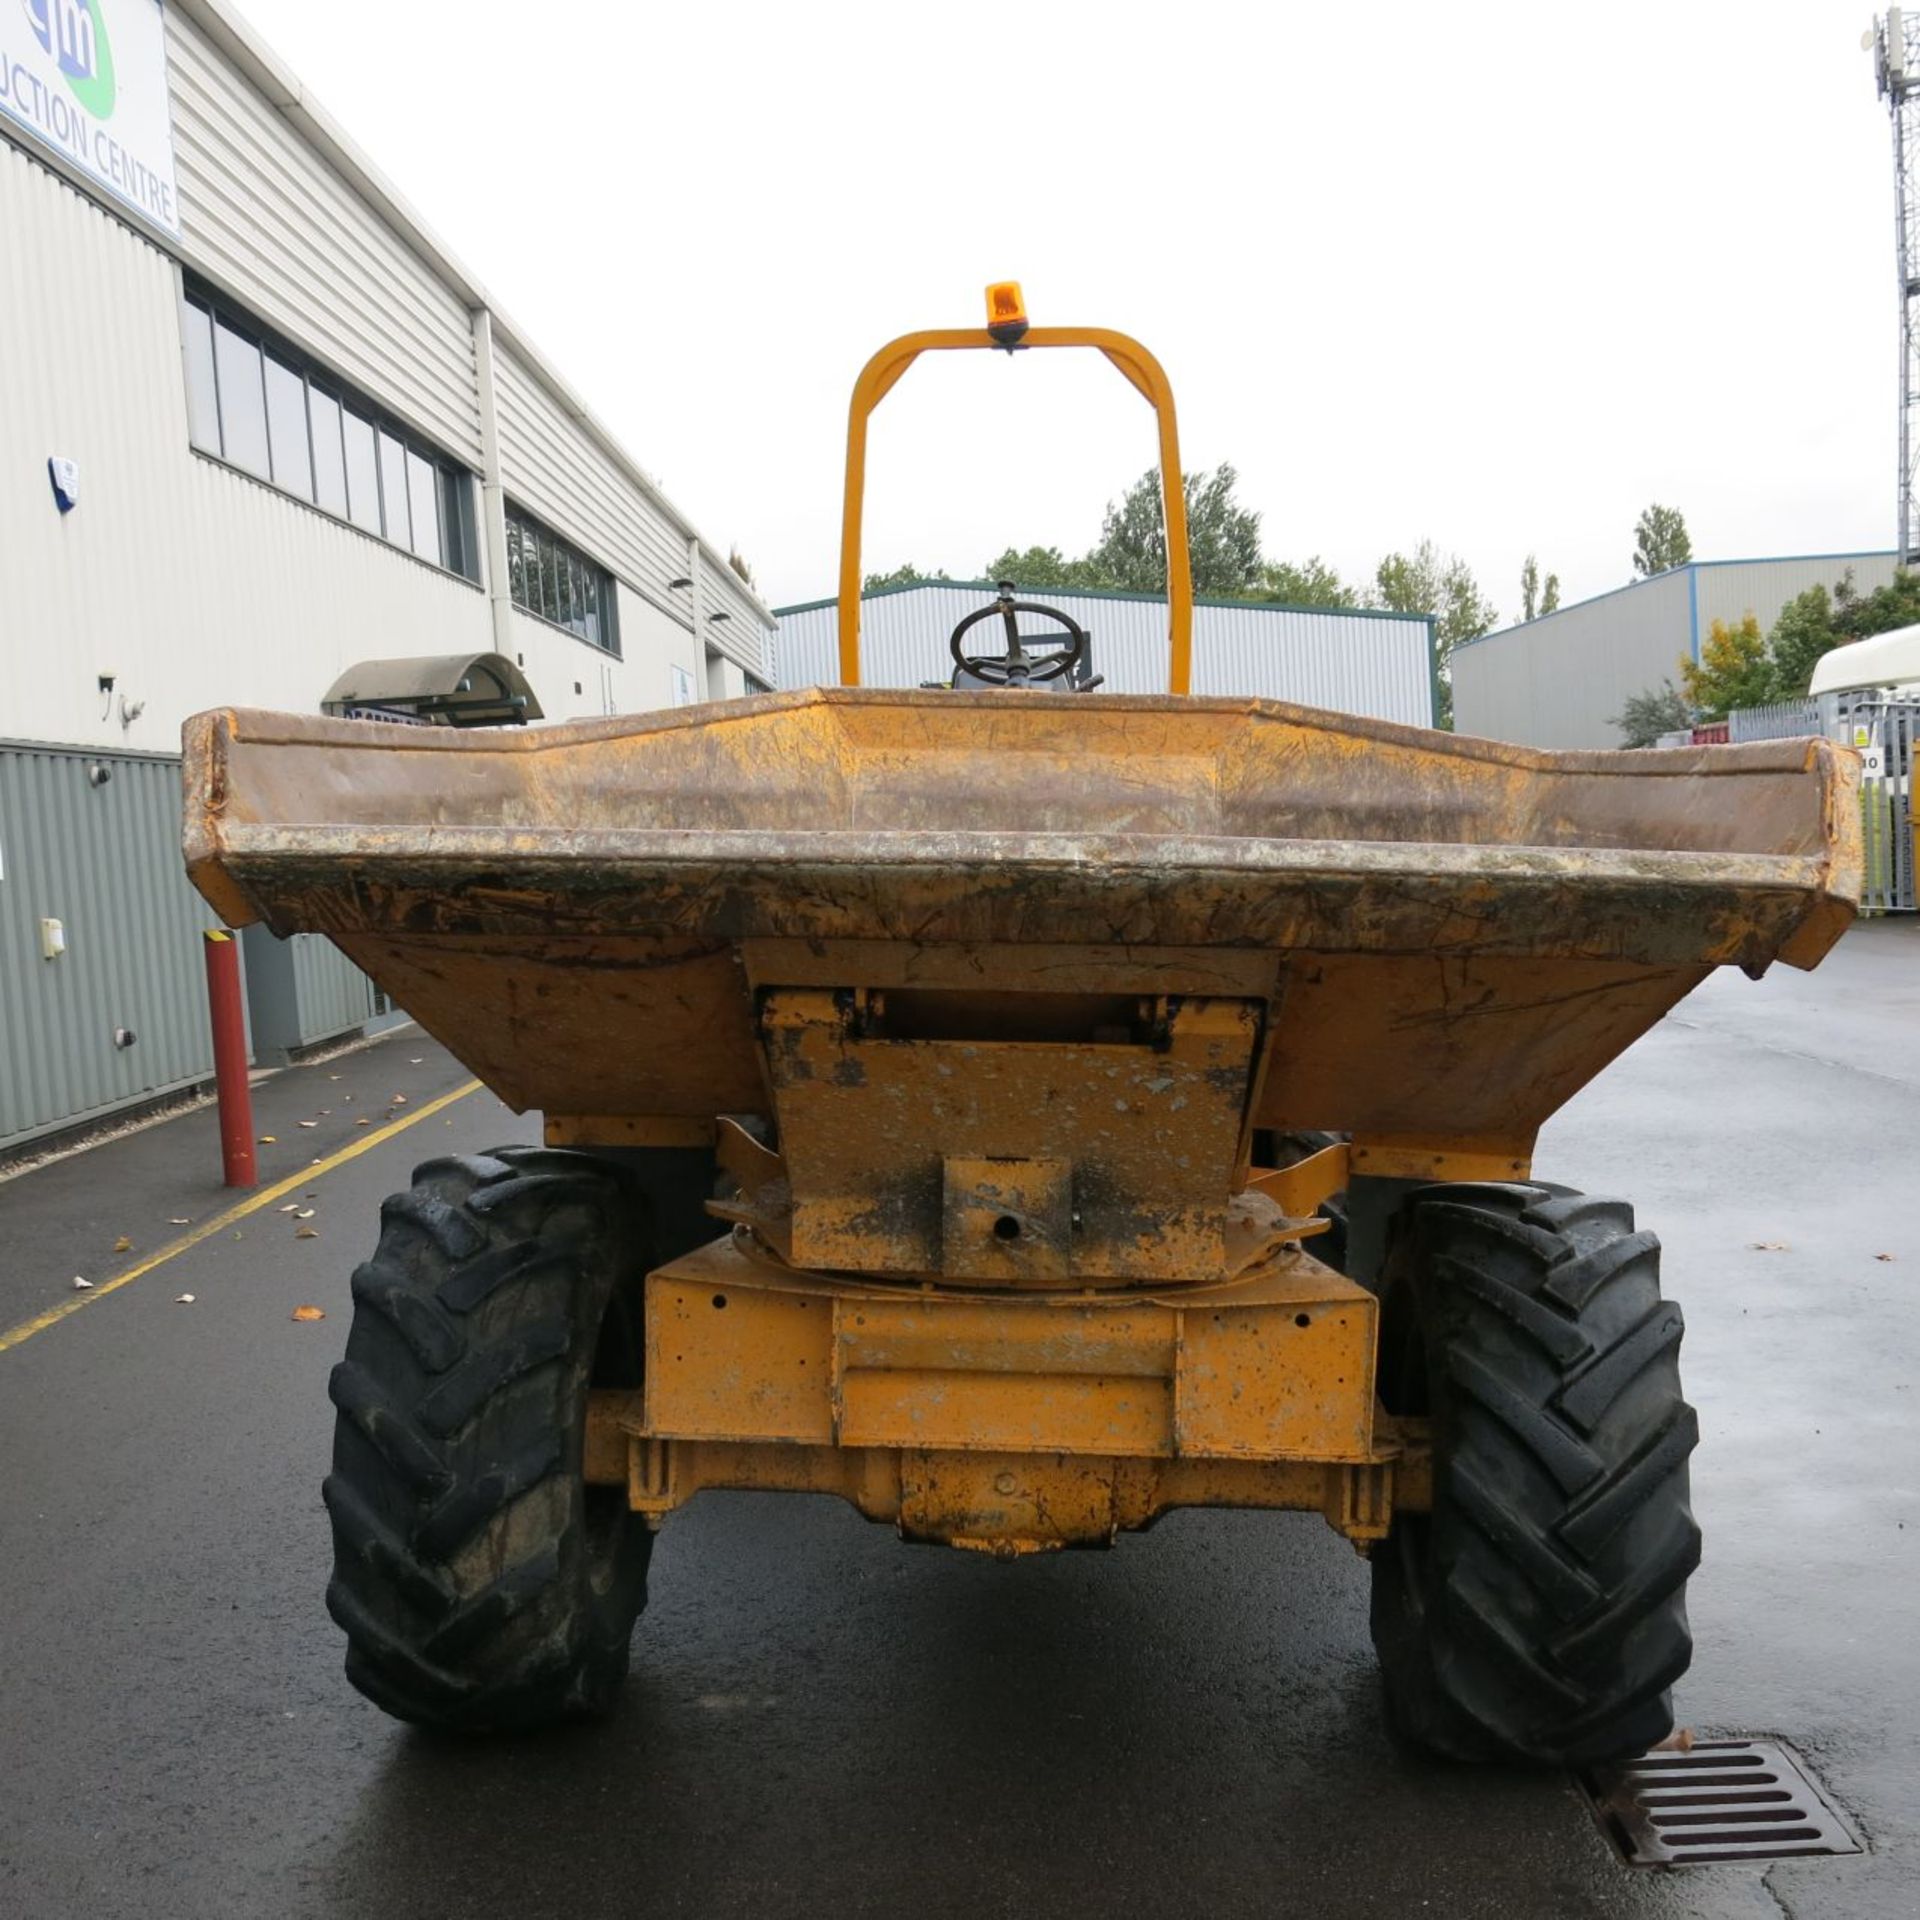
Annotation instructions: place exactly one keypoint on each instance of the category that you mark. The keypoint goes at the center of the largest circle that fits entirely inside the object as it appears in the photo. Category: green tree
(1801, 634)
(1428, 581)
(1311, 584)
(1536, 599)
(1660, 542)
(1223, 537)
(1040, 567)
(1855, 615)
(1734, 670)
(1650, 713)
(907, 575)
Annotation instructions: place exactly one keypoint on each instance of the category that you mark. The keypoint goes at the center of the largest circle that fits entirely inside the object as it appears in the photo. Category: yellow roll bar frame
(1142, 371)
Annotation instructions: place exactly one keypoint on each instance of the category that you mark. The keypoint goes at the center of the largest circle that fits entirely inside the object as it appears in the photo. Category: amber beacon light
(1006, 312)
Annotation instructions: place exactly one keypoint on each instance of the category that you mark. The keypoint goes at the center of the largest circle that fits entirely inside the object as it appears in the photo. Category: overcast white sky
(1494, 275)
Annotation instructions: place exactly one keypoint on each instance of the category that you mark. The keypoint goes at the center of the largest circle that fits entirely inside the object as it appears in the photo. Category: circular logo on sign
(74, 32)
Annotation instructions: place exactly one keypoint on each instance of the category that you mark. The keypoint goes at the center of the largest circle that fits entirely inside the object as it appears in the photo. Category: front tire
(1538, 1613)
(480, 1582)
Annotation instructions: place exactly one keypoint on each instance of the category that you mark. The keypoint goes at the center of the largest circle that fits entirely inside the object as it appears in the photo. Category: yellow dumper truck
(1021, 1109)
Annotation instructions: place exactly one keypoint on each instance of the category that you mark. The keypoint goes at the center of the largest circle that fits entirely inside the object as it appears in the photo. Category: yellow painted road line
(15, 1336)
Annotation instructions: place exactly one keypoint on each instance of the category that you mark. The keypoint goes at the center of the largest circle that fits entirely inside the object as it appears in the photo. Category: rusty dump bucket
(1441, 939)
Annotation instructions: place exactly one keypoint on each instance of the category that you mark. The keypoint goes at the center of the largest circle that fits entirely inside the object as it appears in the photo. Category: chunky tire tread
(1538, 1613)
(474, 1588)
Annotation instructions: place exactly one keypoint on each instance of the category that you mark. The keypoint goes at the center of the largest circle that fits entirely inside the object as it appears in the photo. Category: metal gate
(1885, 731)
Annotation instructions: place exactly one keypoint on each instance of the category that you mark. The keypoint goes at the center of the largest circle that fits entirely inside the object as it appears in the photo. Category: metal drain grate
(1716, 1800)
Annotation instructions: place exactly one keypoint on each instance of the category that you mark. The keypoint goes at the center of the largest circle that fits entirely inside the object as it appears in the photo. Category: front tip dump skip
(586, 912)
(204, 740)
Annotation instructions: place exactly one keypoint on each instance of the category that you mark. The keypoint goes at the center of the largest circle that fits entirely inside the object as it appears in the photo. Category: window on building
(258, 404)
(559, 583)
(288, 435)
(242, 398)
(363, 471)
(329, 452)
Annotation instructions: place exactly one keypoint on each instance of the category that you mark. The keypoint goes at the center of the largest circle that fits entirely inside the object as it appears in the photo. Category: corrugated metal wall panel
(334, 994)
(104, 860)
(1559, 681)
(193, 585)
(1731, 590)
(264, 217)
(1349, 662)
(551, 467)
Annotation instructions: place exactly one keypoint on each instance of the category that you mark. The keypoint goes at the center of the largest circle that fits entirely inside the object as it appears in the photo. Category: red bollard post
(230, 1059)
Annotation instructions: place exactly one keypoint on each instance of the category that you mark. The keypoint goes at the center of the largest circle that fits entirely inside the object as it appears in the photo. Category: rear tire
(480, 1583)
(1538, 1613)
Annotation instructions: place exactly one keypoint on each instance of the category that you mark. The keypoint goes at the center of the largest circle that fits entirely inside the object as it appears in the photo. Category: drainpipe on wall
(493, 499)
(696, 605)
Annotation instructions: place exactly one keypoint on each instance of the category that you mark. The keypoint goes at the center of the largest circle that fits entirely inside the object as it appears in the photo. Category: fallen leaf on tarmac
(1768, 1246)
(308, 1233)
(179, 1220)
(267, 1140)
(1885, 1256)
(333, 1076)
(1680, 1740)
(292, 1206)
(398, 1100)
(305, 1213)
(325, 1111)
(306, 1123)
(363, 1123)
(82, 1286)
(183, 1299)
(413, 1063)
(309, 1313)
(123, 1245)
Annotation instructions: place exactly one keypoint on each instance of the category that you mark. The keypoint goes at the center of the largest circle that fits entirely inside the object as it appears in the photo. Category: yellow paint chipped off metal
(1274, 1364)
(1010, 1503)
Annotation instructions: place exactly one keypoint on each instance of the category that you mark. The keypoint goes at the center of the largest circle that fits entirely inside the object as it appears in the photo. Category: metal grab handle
(1142, 371)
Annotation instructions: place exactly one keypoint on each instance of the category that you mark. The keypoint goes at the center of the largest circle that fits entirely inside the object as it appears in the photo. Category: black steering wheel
(1016, 667)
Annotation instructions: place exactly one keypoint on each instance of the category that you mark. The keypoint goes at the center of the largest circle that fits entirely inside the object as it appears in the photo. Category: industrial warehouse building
(1559, 681)
(1353, 660)
(265, 444)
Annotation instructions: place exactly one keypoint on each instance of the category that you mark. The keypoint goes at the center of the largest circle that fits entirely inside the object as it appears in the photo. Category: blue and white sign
(88, 78)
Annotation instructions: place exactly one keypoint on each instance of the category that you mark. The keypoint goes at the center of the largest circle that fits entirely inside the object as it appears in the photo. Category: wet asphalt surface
(822, 1719)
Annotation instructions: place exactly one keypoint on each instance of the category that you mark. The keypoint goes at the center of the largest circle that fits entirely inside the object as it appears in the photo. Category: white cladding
(1345, 660)
(190, 584)
(1559, 681)
(270, 222)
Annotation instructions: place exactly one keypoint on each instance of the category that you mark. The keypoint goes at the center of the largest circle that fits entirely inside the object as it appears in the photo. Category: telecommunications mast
(1899, 86)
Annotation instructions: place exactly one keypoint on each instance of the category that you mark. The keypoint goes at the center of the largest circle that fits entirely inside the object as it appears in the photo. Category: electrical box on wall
(53, 939)
(65, 476)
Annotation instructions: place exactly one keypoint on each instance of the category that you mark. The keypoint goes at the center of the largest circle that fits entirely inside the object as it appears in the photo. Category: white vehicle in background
(1868, 694)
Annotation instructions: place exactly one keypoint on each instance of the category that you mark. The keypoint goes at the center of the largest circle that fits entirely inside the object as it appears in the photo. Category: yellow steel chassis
(1016, 1423)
